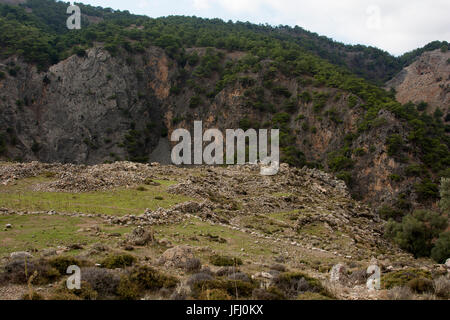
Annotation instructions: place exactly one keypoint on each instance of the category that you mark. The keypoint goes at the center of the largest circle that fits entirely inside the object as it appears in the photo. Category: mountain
(427, 80)
(85, 117)
(115, 90)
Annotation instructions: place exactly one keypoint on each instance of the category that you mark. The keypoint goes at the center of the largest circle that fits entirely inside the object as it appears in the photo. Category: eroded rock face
(82, 108)
(427, 79)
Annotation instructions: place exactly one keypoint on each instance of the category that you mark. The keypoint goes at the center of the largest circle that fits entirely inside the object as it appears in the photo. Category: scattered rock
(20, 255)
(176, 257)
(140, 237)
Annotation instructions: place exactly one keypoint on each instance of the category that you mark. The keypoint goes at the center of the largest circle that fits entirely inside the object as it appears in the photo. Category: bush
(86, 292)
(62, 263)
(421, 285)
(295, 283)
(441, 250)
(442, 287)
(214, 294)
(402, 277)
(128, 290)
(400, 293)
(417, 231)
(118, 261)
(19, 271)
(195, 102)
(312, 296)
(394, 145)
(235, 288)
(34, 296)
(272, 293)
(445, 194)
(151, 279)
(387, 212)
(225, 261)
(103, 281)
(427, 190)
(340, 163)
(192, 265)
(199, 277)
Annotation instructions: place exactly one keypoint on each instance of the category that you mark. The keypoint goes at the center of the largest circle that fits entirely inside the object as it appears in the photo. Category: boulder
(177, 257)
(20, 255)
(140, 237)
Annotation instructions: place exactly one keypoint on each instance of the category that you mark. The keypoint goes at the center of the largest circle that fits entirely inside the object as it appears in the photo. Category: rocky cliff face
(96, 108)
(427, 79)
(81, 109)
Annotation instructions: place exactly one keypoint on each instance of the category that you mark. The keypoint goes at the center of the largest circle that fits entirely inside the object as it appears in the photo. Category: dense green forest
(43, 38)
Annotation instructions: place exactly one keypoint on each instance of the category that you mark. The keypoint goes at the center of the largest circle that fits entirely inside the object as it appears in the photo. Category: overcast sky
(396, 26)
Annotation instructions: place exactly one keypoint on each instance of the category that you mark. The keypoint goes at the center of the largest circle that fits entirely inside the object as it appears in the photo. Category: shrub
(415, 170)
(445, 194)
(295, 283)
(312, 296)
(305, 97)
(417, 231)
(64, 296)
(195, 102)
(34, 296)
(127, 289)
(214, 294)
(103, 281)
(62, 263)
(421, 285)
(339, 163)
(271, 293)
(402, 277)
(192, 265)
(441, 250)
(151, 279)
(386, 212)
(442, 287)
(199, 277)
(19, 271)
(427, 190)
(394, 145)
(86, 292)
(235, 288)
(118, 261)
(224, 261)
(239, 276)
(352, 101)
(400, 293)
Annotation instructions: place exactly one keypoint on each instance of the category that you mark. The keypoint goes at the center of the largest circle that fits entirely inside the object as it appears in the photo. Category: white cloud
(395, 26)
(403, 25)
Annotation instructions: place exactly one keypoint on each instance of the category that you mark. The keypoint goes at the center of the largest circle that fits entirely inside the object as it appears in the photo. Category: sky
(396, 26)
